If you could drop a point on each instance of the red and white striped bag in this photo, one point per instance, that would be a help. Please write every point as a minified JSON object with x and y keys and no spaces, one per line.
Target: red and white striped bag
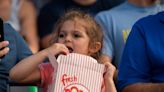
{"x":77,"y":73}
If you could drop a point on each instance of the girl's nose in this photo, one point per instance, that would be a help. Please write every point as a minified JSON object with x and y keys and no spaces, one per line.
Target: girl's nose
{"x":68,"y":39}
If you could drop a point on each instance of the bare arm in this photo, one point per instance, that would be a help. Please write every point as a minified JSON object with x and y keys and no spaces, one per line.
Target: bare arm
{"x":27,"y":70}
{"x":27,"y":16}
{"x":108,"y":77}
{"x":110,"y":86}
{"x":145,"y":87}
{"x":106,"y":58}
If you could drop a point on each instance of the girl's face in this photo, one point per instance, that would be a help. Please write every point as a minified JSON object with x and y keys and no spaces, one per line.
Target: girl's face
{"x":73,"y":35}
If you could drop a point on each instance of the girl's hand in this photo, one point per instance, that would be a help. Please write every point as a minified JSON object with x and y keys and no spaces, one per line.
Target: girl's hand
{"x":57,"y":49}
{"x":110,"y":70}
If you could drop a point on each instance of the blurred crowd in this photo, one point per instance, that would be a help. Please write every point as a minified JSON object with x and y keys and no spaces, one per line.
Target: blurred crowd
{"x":35,"y":21}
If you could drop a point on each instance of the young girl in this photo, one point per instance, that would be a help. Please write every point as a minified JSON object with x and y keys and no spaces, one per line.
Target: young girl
{"x":75,"y":32}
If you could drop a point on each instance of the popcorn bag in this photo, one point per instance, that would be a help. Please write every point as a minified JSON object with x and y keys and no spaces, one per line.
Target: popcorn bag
{"x":77,"y":73}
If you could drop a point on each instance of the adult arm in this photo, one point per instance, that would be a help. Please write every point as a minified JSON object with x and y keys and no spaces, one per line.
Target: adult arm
{"x":145,"y":87}
{"x":27,"y":17}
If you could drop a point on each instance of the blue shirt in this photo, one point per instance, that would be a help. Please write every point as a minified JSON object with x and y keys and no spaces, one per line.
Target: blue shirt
{"x":18,"y":51}
{"x":143,"y":56}
{"x":117,"y":23}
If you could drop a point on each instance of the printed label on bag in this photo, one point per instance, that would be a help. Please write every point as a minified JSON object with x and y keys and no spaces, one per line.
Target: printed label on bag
{"x":73,"y":85}
{"x":76,"y":88}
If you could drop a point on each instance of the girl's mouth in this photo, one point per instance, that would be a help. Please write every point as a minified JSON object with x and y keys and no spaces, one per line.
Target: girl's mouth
{"x":70,"y":49}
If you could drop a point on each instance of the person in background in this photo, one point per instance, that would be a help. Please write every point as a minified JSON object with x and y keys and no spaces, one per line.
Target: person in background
{"x":161,"y":2}
{"x":117,"y":23}
{"x":72,"y":31}
{"x":39,"y":4}
{"x":14,"y":49}
{"x":142,"y":64}
{"x":21,"y":15}
{"x":51,"y":12}
{"x":3,"y":49}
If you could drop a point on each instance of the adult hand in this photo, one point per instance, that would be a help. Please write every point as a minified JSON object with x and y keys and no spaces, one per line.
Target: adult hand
{"x":3,"y":49}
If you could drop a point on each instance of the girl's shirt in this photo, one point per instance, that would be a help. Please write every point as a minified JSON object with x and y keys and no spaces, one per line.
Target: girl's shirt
{"x":46,"y":73}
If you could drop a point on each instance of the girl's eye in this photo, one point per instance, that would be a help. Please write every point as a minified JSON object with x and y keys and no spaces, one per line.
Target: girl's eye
{"x":61,"y":35}
{"x":77,"y":35}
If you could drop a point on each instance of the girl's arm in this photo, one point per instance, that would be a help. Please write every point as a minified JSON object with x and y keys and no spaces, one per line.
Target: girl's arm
{"x":27,"y":70}
{"x":108,"y":77}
